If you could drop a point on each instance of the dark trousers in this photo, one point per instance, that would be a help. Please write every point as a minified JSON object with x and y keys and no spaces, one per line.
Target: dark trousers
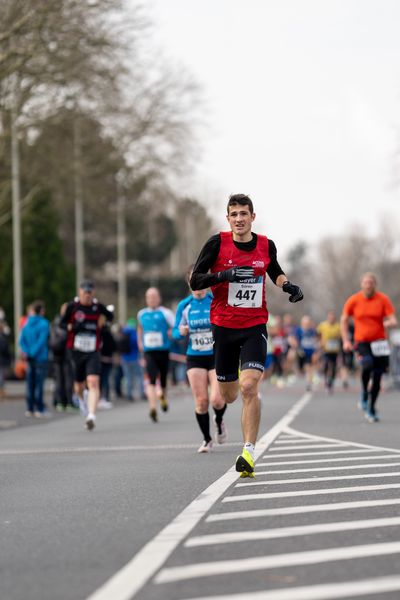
{"x":105,"y":373}
{"x":372,"y":369}
{"x":330,"y":362}
{"x":63,"y":377}
{"x":36,"y":377}
{"x":118,"y":376}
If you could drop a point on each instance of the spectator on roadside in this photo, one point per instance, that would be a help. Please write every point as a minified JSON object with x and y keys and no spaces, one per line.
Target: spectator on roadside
{"x":177,"y":362}
{"x":5,"y":357}
{"x":107,"y":350}
{"x":127,"y":346}
{"x":33,"y":343}
{"x":3,"y":321}
{"x":62,"y":366}
{"x":23,"y":320}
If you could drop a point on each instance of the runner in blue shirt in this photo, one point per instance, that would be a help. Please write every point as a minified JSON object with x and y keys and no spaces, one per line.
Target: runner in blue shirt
{"x":154,"y":329}
{"x":307,"y":351}
{"x":193,"y":320}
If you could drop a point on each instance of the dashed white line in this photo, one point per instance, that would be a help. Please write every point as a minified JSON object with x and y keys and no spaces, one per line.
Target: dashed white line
{"x":335,"y":452}
{"x":84,"y":449}
{"x":283,"y":532}
{"x":308,"y":446}
{"x":291,"y":440}
{"x":320,"y":492}
{"x":7,"y":424}
{"x":308,"y":436}
{"x":324,"y":591}
{"x":318,"y":479}
{"x":325,"y":460}
{"x":323,"y":555}
{"x":341,"y":468}
{"x":297,"y":510}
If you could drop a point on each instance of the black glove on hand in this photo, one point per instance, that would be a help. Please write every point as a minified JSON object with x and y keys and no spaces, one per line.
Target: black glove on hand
{"x":295,"y":292}
{"x":236,"y":274}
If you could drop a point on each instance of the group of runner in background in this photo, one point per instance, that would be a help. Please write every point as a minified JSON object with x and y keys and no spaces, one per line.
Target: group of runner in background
{"x":304,"y":350}
{"x":309,"y":349}
{"x":225,"y":340}
{"x":136,"y":360}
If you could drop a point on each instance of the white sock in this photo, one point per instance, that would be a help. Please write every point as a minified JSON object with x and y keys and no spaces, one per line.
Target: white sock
{"x":91,"y":416}
{"x":83,"y":406}
{"x":250,"y":448}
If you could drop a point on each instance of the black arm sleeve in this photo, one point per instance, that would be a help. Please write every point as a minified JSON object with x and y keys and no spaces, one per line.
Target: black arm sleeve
{"x":200,"y":278}
{"x":274,"y":269}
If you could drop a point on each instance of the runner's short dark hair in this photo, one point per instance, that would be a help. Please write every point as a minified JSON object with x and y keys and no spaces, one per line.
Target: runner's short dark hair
{"x":241,"y":199}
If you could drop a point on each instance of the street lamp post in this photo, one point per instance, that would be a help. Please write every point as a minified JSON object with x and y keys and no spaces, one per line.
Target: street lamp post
{"x":16,"y":220}
{"x":121,"y":254}
{"x":79,"y":231}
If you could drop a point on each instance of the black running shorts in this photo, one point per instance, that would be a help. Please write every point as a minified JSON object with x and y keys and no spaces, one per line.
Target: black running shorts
{"x":200,"y":362}
{"x":236,"y":349}
{"x":84,"y":364}
{"x":157,"y":363}
{"x":369,"y":361}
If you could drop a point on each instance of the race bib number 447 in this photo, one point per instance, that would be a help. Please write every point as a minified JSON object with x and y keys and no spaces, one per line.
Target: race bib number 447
{"x":246,"y":294}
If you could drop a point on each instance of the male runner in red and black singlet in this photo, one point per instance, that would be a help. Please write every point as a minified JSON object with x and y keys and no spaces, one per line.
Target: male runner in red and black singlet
{"x":234,"y":264}
{"x":83,"y":321}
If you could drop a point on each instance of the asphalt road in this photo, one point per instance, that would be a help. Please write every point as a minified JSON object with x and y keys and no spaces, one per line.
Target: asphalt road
{"x":132,"y":511}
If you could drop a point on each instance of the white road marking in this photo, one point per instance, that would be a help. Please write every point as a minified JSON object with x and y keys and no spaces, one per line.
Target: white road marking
{"x":309,"y":436}
{"x":324,"y":591}
{"x":130,"y":579}
{"x":292,"y":440}
{"x":6,"y":424}
{"x":297,"y":510}
{"x":341,"y":468}
{"x":283,"y":532}
{"x":325,"y":460}
{"x":318,"y":479}
{"x":83,"y":449}
{"x":335,"y":452}
{"x":321,"y":492}
{"x":323,"y":555}
{"x":307,"y":447}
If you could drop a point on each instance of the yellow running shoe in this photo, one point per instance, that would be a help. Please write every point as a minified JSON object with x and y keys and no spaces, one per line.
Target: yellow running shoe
{"x":245,"y":464}
{"x":153,"y":415}
{"x":163,"y":403}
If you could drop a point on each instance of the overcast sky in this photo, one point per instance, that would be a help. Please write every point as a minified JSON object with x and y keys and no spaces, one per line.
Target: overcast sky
{"x":303,"y":106}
